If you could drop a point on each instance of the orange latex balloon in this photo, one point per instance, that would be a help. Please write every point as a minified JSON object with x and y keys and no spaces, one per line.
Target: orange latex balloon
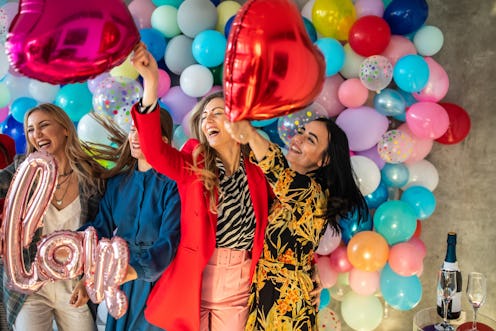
{"x":271,"y":66}
{"x":333,"y":18}
{"x":368,"y":251}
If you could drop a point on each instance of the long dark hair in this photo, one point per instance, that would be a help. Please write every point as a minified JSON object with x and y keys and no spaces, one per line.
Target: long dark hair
{"x":338,"y":179}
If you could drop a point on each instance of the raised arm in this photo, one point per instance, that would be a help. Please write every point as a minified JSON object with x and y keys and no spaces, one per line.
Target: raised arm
{"x":162,"y":156}
{"x":244,"y":133}
{"x":147,"y":67}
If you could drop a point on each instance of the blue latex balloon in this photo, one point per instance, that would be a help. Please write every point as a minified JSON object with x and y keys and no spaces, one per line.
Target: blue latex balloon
{"x":312,"y":33}
{"x":376,"y":198}
{"x":15,"y":130}
{"x":411,"y":73}
{"x":21,"y":106}
{"x":325,"y":298}
{"x":262,"y":123}
{"x":155,"y":42}
{"x":409,"y":99}
{"x":273,"y":133}
{"x":351,"y":225}
{"x":389,"y":102}
{"x":401,"y":293}
{"x":333,"y":53}
{"x":396,"y":221}
{"x":227,"y":27}
{"x":405,"y":16}
{"x":209,"y":48}
{"x":76,"y":99}
{"x":421,"y":199}
{"x":395,"y":174}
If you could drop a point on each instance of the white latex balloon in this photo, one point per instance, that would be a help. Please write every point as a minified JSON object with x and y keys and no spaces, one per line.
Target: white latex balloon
{"x":367,"y":174}
{"x":196,"y":80}
{"x":422,"y":173}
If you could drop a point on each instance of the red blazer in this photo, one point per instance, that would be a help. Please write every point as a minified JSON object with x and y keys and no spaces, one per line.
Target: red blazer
{"x":174,"y":303}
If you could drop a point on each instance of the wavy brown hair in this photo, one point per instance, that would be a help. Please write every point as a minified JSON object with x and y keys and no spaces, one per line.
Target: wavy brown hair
{"x":89,"y":172}
{"x":204,"y":155}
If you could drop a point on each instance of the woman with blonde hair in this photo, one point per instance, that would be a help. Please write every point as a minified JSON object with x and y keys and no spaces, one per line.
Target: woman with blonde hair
{"x":79,"y":188}
{"x":224,"y":206}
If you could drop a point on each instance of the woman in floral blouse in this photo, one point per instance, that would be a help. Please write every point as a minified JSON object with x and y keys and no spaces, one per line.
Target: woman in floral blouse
{"x":314,"y":185}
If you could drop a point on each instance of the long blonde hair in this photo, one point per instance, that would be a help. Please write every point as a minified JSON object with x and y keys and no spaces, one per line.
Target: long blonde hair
{"x":90,"y":173}
{"x":204,"y":155}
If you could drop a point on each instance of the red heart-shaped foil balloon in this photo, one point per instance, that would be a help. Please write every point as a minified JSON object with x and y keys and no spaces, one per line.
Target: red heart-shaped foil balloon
{"x":271,"y":66}
{"x":60,"y":41}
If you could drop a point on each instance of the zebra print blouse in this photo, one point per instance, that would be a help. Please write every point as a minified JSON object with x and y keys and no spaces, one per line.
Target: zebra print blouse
{"x":236,"y":218}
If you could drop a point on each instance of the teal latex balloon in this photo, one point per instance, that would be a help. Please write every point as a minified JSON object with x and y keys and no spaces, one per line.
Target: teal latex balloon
{"x":421,"y":199}
{"x":401,"y":293}
{"x":396,"y":221}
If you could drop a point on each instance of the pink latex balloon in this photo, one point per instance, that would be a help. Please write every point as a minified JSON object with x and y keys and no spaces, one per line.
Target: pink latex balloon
{"x":352,"y":93}
{"x":364,"y":282}
{"x":142,"y":10}
{"x":369,"y":7}
{"x":339,"y":260}
{"x":164,"y":82}
{"x":328,"y":97}
{"x":427,"y":119}
{"x":4,"y":112}
{"x":437,"y":85}
{"x":419,"y":246}
{"x":398,"y":47}
{"x":421,"y":146}
{"x":59,"y":43}
{"x":328,"y":276}
{"x":35,"y":178}
{"x":405,"y":259}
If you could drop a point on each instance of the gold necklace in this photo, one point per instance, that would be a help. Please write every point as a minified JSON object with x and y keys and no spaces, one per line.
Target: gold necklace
{"x":59,"y":201}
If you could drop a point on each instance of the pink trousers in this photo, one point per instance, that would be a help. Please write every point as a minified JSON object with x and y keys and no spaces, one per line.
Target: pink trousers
{"x":225,"y":291}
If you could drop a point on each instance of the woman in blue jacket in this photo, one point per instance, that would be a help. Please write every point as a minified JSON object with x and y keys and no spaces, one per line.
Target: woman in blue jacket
{"x":141,"y":206}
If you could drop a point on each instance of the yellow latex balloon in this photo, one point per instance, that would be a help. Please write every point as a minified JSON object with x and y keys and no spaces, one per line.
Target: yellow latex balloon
{"x":333,"y":18}
{"x":125,"y":69}
{"x":225,"y":10}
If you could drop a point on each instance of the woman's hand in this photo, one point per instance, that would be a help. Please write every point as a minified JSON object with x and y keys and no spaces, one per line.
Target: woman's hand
{"x":315,"y":293}
{"x":79,"y":295}
{"x":240,"y":131}
{"x":147,"y":67}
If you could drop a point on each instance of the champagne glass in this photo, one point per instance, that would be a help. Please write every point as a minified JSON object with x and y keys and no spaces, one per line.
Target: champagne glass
{"x":446,"y":287}
{"x":476,"y":293}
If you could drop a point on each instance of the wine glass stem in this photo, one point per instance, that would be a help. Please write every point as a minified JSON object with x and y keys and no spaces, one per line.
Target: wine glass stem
{"x":474,"y":322}
{"x":445,"y":313}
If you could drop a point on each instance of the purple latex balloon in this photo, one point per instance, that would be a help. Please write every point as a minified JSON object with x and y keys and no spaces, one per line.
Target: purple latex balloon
{"x":59,"y":43}
{"x":363,"y":126}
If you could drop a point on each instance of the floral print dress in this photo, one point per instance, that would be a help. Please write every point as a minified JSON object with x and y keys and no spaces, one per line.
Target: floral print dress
{"x":280,"y":292}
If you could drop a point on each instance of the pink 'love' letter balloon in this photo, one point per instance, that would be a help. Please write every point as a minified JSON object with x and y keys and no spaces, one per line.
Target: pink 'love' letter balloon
{"x":59,"y":41}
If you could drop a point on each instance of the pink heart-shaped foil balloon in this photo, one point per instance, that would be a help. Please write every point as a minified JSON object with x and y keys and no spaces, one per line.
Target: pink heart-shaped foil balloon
{"x":271,"y":66}
{"x":60,"y":41}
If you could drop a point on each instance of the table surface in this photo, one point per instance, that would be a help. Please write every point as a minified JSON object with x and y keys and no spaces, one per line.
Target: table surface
{"x":429,"y":316}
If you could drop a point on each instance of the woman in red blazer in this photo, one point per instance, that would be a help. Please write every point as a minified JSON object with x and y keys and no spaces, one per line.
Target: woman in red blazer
{"x":224,"y":200}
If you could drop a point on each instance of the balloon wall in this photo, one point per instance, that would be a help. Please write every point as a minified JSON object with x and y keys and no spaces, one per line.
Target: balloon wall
{"x":381,"y":83}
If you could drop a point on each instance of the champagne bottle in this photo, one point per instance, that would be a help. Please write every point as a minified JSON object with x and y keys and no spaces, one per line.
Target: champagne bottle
{"x":450,"y":263}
